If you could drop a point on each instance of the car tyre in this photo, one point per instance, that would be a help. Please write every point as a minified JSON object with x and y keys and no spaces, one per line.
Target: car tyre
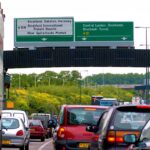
{"x":47,"y":136}
{"x":21,"y":148}
{"x":27,"y":147}
{"x":42,"y":139}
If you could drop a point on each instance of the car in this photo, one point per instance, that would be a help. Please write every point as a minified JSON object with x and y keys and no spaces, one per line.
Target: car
{"x":37,"y":130}
{"x":44,"y":117}
{"x":71,"y":133}
{"x":14,"y":133}
{"x":18,"y":114}
{"x":141,"y":143}
{"x":117,"y":122}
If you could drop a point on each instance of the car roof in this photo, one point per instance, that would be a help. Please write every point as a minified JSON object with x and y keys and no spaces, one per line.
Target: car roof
{"x":139,"y":106}
{"x":109,"y":99}
{"x":12,"y":117}
{"x":13,"y":111}
{"x":85,"y":106}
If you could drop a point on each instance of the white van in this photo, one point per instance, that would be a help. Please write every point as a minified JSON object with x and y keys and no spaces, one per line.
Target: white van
{"x":18,"y":114}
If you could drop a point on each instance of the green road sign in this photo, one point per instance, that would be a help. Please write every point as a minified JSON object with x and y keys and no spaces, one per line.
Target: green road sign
{"x":104,"y":31}
{"x":44,"y":29}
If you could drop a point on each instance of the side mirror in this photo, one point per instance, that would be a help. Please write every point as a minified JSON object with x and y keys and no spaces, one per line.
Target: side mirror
{"x":91,"y":128}
{"x":52,"y":123}
{"x":130,"y":138}
{"x":27,"y":129}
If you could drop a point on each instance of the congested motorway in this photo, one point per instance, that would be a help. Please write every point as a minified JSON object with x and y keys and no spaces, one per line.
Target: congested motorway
{"x":37,"y":145}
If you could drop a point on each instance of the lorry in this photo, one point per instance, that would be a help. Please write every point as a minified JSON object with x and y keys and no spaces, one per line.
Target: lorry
{"x":101,"y":101}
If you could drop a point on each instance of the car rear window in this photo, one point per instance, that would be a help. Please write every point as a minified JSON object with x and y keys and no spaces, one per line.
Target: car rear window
{"x":84,"y":116}
{"x":10,"y":123}
{"x":34,"y":122}
{"x":130,"y":119}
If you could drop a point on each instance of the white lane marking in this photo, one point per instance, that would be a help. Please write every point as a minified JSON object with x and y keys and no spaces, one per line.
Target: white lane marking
{"x":45,"y":144}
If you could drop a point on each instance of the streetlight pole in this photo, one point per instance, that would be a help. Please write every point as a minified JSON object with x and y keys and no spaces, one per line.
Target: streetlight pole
{"x":19,"y":81}
{"x":148,"y":77}
{"x":80,"y":88}
{"x":147,"y":68}
{"x":49,"y":81}
{"x":35,"y":80}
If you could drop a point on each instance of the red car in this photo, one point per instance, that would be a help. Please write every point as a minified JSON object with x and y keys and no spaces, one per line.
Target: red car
{"x":71,"y":133}
{"x":37,"y":130}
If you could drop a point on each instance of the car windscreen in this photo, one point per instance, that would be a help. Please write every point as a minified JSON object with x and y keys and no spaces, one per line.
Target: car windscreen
{"x":130,"y":119}
{"x":84,"y":116}
{"x":19,"y":115}
{"x":10,"y":123}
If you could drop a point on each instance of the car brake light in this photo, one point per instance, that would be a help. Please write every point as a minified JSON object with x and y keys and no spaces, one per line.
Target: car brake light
{"x":19,"y":133}
{"x":96,"y":137}
{"x":143,"y":106}
{"x":119,"y":139}
{"x":90,"y":109}
{"x":61,"y":132}
{"x":111,"y":139}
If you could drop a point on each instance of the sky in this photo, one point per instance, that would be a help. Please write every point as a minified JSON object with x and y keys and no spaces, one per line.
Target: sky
{"x":137,"y":11}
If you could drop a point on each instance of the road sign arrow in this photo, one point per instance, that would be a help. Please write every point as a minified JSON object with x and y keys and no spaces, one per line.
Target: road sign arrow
{"x":123,"y":38}
{"x":44,"y":39}
{"x":84,"y":38}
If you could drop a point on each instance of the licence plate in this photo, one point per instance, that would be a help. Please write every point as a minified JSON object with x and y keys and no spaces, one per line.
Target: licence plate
{"x":6,"y":142}
{"x":83,"y":145}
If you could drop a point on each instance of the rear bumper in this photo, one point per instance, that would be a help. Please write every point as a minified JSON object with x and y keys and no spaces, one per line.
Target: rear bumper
{"x":69,"y":145}
{"x":115,"y":148}
{"x":15,"y":141}
{"x":36,"y":135}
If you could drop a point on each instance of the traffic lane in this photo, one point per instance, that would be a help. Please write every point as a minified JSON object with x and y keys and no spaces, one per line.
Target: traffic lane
{"x":36,"y":144}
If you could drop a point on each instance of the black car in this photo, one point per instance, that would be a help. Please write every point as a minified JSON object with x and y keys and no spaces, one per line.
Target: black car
{"x":116,"y":123}
{"x":142,"y":143}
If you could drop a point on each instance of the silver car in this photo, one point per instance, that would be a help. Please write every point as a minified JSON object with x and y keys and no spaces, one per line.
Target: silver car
{"x":14,"y":133}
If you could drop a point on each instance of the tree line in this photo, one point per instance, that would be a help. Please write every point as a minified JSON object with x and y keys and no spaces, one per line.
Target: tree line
{"x":73,"y":78}
{"x":46,"y":92}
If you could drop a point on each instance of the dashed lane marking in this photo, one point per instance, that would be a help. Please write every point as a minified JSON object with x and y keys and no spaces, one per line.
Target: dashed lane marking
{"x":44,"y":145}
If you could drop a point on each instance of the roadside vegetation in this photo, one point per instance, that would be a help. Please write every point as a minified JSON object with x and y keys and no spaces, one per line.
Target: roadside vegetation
{"x":48,"y":91}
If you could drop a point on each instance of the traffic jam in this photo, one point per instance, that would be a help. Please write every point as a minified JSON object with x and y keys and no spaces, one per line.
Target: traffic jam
{"x":78,"y":127}
{"x":106,"y":124}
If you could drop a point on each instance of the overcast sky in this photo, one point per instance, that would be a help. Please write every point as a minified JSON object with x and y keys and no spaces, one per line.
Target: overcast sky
{"x":137,"y":11}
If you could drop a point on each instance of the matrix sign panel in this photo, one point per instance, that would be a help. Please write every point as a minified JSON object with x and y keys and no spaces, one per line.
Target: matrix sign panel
{"x":104,"y":31}
{"x":44,"y":29}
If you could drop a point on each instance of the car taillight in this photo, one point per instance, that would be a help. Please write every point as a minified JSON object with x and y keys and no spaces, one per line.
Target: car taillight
{"x":61,"y":133}
{"x":20,"y":133}
{"x":143,"y":106}
{"x":96,"y":137}
{"x":112,"y":138}
{"x":119,"y":139}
